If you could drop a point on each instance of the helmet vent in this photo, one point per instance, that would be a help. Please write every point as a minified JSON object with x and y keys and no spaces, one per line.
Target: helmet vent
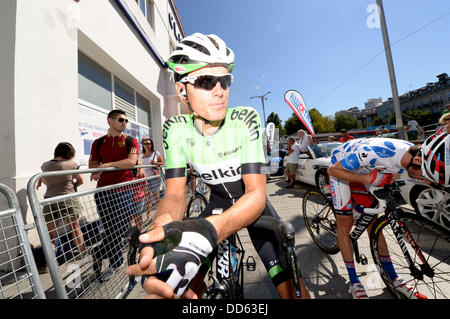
{"x":197,"y":46}
{"x":214,"y":42}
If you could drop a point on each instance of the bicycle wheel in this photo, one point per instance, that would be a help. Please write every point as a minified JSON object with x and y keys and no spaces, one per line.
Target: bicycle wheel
{"x":196,"y":205}
{"x":427,"y":243}
{"x":320,"y":221}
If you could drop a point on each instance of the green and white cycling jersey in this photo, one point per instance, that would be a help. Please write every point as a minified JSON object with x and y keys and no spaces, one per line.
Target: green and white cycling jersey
{"x":221,"y":159}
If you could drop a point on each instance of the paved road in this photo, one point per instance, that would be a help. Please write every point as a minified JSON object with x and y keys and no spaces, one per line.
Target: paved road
{"x":325,"y":275}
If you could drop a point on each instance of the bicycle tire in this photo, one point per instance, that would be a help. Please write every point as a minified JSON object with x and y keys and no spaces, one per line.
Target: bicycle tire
{"x":434,"y":243}
{"x":320,"y":221}
{"x":196,"y":205}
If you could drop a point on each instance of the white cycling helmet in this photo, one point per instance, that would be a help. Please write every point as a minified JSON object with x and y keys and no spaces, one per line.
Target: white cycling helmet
{"x":197,"y":51}
{"x":436,"y":159}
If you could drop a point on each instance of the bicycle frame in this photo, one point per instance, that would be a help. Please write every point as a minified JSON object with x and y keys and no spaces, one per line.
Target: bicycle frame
{"x":227,"y":280}
{"x":388,"y":194}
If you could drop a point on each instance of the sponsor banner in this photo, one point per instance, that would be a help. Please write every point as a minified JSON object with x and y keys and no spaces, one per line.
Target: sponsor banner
{"x":270,"y":132}
{"x":295,"y":100}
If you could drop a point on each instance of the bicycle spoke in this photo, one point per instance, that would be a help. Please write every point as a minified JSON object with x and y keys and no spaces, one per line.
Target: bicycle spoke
{"x":429,"y":252}
{"x":320,"y":221}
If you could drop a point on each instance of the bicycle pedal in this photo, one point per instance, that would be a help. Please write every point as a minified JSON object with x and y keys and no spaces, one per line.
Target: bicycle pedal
{"x":363,"y":259}
{"x":250,"y":263}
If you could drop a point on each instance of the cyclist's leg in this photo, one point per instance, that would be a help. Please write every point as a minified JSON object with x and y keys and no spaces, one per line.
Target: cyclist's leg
{"x":385,"y":258}
{"x":388,"y":266}
{"x":343,"y":206}
{"x":265,"y":244}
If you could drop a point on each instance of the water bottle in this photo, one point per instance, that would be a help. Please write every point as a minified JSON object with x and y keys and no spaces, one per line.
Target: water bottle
{"x":358,"y":210}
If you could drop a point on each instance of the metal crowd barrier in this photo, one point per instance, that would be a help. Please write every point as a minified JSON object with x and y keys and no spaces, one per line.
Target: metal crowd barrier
{"x":81,"y":233}
{"x":19,"y":277}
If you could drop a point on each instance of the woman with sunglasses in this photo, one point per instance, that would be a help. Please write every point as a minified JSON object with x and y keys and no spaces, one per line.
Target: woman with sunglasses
{"x":224,"y":146}
{"x":445,"y":124}
{"x":151,"y":157}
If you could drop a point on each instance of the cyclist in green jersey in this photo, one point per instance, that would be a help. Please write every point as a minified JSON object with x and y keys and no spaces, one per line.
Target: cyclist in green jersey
{"x":224,"y":146}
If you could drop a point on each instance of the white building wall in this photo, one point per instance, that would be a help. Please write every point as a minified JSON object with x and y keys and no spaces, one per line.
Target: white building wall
{"x":40,"y":43}
{"x":45,"y":90}
{"x":7,"y":132}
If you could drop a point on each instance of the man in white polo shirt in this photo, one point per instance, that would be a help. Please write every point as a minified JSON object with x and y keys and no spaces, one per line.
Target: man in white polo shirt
{"x":292,"y":161}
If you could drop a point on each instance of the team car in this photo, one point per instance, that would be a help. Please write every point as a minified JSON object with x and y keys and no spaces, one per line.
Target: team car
{"x":430,"y":202}
{"x":275,"y":162}
{"x":312,"y":165}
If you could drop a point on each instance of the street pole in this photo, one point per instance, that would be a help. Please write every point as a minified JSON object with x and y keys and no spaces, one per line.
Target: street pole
{"x":390,"y":63}
{"x":262,"y":97}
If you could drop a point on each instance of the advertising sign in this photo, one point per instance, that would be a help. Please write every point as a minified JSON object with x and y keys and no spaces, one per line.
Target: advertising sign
{"x":298,"y":105}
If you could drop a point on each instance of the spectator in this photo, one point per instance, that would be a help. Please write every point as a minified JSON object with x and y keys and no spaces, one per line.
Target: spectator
{"x":331,"y":139}
{"x":446,"y":109}
{"x":377,"y":132}
{"x":68,"y":210}
{"x":384,"y":129}
{"x":345,"y":136}
{"x":420,"y":133}
{"x":292,"y":161}
{"x":115,"y":149}
{"x":139,"y":196}
{"x":304,"y":140}
{"x":412,"y":129}
{"x":151,"y":157}
{"x":444,"y":121}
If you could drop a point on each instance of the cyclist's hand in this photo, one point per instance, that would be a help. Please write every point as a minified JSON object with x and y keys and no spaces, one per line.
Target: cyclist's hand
{"x":181,"y":249}
{"x":379,"y":179}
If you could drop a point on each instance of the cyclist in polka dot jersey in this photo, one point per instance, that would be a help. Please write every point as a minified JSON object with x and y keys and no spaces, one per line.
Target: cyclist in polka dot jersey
{"x":368,"y":161}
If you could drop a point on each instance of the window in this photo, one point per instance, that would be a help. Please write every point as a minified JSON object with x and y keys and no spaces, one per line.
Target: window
{"x":143,"y":110}
{"x":96,"y":86}
{"x":122,"y":90}
{"x":142,"y":6}
{"x":124,"y":98}
{"x":148,"y":10}
{"x":94,"y":82}
{"x":150,"y":13}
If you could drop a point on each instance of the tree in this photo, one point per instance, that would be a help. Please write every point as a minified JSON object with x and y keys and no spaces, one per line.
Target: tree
{"x":321,"y":124}
{"x":275,"y":119}
{"x":378,"y":121}
{"x":293,"y":124}
{"x":422,"y":117}
{"x":345,"y":121}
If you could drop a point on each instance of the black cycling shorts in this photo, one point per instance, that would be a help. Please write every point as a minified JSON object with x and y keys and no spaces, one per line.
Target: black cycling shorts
{"x":264,"y":241}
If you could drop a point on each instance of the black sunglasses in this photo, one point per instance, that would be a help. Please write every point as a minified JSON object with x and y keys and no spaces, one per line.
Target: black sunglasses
{"x":411,"y":164}
{"x":147,"y":143}
{"x":208,"y":82}
{"x":121,"y":120}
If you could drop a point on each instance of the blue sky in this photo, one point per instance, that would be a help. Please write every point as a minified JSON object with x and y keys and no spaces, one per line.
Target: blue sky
{"x":323,"y":49}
